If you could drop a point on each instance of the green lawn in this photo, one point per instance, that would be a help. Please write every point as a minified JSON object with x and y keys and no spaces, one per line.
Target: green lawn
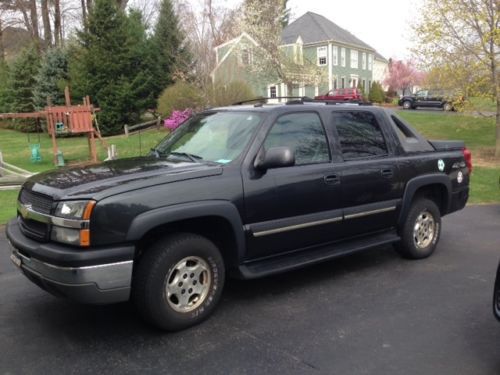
{"x":16,"y":150}
{"x":477,"y":132}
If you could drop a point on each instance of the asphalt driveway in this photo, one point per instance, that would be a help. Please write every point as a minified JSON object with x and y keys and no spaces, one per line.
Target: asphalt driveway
{"x":370,"y":313}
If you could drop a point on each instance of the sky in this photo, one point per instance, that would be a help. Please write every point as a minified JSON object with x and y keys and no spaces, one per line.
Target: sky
{"x":383,"y":24}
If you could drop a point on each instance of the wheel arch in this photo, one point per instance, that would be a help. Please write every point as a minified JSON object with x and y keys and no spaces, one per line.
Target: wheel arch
{"x":435,"y":186}
{"x":219,"y":221}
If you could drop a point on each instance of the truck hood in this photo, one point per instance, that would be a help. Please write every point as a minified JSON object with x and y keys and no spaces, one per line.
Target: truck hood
{"x":100,"y":180}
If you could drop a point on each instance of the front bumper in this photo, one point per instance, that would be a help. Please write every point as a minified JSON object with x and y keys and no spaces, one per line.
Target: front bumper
{"x":93,"y":276}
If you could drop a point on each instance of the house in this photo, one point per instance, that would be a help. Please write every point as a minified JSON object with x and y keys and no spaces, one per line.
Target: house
{"x":380,"y":69}
{"x":343,"y":59}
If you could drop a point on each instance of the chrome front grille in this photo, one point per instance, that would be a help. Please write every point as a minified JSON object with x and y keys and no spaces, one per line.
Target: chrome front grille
{"x":39,"y":202}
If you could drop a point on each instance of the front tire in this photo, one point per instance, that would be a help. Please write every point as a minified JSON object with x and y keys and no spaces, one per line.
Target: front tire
{"x":407,"y":105}
{"x":448,"y":107}
{"x":421,"y":230}
{"x":178,"y":281}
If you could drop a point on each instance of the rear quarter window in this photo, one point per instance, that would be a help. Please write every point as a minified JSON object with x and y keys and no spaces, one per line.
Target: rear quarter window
{"x":359,"y":135}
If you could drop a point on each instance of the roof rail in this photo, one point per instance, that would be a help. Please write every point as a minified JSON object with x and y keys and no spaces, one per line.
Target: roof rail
{"x":335,"y":102}
{"x":264,"y":99}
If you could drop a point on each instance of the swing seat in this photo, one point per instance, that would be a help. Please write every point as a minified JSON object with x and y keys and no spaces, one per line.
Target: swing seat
{"x":36,"y":156}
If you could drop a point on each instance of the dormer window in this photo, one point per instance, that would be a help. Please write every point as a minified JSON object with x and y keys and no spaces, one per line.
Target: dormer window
{"x":322,"y":53}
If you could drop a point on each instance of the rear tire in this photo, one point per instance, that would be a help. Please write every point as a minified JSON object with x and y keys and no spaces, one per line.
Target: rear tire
{"x":421,"y":230}
{"x":178,"y":281}
{"x":407,"y":105}
{"x":447,"y":107}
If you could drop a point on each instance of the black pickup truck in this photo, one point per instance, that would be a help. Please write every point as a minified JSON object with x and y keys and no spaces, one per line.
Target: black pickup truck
{"x":429,"y":99}
{"x":246,"y":190}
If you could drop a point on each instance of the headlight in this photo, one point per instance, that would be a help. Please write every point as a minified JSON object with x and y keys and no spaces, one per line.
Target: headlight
{"x":73,"y":209}
{"x":71,"y":222}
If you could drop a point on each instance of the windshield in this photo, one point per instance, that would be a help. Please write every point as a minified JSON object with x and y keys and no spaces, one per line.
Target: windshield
{"x":217,"y":137}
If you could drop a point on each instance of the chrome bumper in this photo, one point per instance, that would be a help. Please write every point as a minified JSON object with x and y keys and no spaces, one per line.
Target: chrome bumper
{"x":98,"y":284}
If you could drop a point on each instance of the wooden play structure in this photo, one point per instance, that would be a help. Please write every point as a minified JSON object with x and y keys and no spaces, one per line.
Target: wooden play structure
{"x":67,"y":119}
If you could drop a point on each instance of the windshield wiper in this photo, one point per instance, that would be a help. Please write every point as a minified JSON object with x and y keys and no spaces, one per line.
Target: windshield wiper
{"x":194,"y":158}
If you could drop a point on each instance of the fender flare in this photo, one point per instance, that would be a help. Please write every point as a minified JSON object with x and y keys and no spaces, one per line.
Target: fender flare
{"x":149,"y":220}
{"x":416,"y":183}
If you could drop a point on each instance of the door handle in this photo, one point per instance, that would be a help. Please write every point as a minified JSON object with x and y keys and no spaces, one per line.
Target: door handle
{"x":387,"y":173}
{"x":331,"y":179}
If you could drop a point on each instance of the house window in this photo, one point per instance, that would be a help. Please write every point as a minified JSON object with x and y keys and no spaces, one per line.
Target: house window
{"x":334,"y":83}
{"x":246,"y":56}
{"x":342,"y":82}
{"x":370,"y":62}
{"x":363,"y":61}
{"x":322,"y":53}
{"x":369,"y":85}
{"x":335,"y":55}
{"x":342,"y":56}
{"x":298,"y":54}
{"x":354,"y":59}
{"x":272,"y":92}
{"x":364,"y":85}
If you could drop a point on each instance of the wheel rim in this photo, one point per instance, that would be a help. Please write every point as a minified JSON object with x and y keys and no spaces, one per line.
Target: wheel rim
{"x":424,"y":230}
{"x":406,"y":105}
{"x":188,"y":284}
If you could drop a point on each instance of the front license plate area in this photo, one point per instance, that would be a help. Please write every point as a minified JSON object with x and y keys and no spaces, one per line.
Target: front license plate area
{"x":16,"y":260}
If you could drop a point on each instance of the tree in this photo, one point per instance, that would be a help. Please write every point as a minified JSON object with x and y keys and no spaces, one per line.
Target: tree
{"x":51,"y":79}
{"x":4,"y":87}
{"x":464,"y":31}
{"x":22,"y":80}
{"x":104,"y":66}
{"x":272,"y":62}
{"x":47,"y":29}
{"x":173,"y":58}
{"x":402,"y":76}
{"x":205,"y":30}
{"x":376,"y":94}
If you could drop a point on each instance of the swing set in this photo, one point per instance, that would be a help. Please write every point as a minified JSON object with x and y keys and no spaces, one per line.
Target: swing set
{"x":67,"y":119}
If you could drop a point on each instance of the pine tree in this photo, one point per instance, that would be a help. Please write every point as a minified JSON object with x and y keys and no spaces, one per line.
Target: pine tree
{"x":376,"y":94}
{"x":22,"y":80}
{"x":51,"y":78}
{"x":4,"y":87}
{"x":104,"y":66}
{"x":173,"y":58}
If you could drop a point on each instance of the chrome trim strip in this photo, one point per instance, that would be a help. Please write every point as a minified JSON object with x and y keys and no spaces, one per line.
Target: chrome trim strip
{"x":297,"y":226}
{"x":104,"y":276}
{"x":88,"y":267}
{"x":28,"y":213}
{"x":367,"y":213}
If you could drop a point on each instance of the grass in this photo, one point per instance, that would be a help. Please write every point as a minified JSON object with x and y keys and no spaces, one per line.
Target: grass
{"x":482,"y":104}
{"x":16,"y":150}
{"x":477,"y":132}
{"x":7,"y":205}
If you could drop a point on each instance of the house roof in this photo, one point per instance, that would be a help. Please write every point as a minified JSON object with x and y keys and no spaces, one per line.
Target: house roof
{"x":313,"y":28}
{"x":379,"y":57}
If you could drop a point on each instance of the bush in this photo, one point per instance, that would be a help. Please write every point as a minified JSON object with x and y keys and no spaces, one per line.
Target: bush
{"x":376,"y":94}
{"x":233,"y":92}
{"x":180,"y":96}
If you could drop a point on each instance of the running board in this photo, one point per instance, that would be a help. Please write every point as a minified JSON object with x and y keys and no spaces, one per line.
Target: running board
{"x":287,"y":262}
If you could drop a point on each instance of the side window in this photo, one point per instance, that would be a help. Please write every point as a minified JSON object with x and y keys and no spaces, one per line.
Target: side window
{"x":359,"y":134}
{"x":304,"y":133}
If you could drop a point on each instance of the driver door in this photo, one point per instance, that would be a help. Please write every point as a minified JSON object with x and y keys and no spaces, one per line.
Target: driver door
{"x":295,"y":207}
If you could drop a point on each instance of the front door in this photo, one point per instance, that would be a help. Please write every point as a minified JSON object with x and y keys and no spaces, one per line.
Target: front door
{"x":294,"y":207}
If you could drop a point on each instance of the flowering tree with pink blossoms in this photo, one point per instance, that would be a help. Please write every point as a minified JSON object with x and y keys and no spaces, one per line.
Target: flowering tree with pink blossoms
{"x":403,"y":76}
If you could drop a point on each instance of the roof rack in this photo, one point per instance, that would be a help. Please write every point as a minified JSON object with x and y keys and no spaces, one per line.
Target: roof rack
{"x":339,"y":102}
{"x":264,"y":99}
{"x":301,"y":100}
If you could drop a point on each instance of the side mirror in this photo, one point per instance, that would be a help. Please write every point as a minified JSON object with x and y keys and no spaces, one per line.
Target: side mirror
{"x":275,"y":157}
